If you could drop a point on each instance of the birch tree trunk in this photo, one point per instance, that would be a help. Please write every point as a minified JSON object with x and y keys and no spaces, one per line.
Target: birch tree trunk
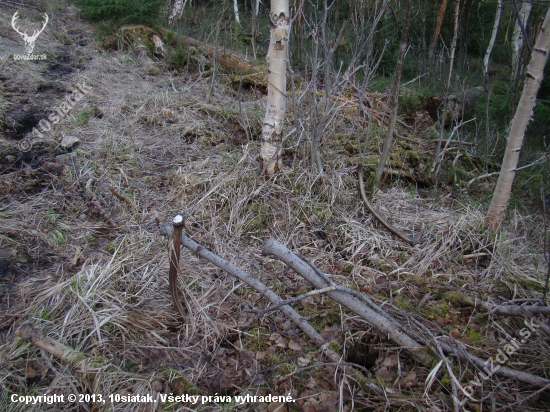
{"x":394,"y":104}
{"x":437,"y":29}
{"x":236,"y":10}
{"x":524,"y":111}
{"x":518,"y":36}
{"x":493,"y":38}
{"x":270,"y":148}
{"x":175,"y":10}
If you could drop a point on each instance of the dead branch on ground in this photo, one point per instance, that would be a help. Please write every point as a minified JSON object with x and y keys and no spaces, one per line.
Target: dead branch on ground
{"x":78,"y":361}
{"x":375,"y":318}
{"x":410,"y":240}
{"x":505,"y":310}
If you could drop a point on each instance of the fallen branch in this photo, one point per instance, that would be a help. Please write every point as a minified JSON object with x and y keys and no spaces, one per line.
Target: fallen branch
{"x":78,"y":361}
{"x":504,"y":310}
{"x":383,"y":323}
{"x":247,"y":71}
{"x":375,"y":318}
{"x":481,"y":364}
{"x":119,"y":196}
{"x":410,"y":240}
{"x":256,"y":284}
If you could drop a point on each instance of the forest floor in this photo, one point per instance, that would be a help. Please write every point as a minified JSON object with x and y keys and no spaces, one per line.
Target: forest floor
{"x":83,"y":261}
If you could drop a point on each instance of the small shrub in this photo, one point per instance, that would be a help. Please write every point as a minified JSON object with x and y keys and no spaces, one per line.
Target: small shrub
{"x":178,"y":58}
{"x":121,"y":11}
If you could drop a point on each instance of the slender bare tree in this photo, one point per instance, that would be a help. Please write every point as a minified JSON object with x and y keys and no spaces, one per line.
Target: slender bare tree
{"x":493,"y":38}
{"x":394,"y":97}
{"x":277,"y":56}
{"x":518,"y":36}
{"x":437,"y":31}
{"x":524,"y":111}
{"x":447,"y":86}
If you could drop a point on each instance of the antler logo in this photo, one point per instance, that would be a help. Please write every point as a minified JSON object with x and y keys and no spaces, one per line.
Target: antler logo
{"x":29,"y":40}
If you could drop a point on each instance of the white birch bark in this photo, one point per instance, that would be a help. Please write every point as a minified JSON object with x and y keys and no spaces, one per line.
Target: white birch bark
{"x":270,"y":148}
{"x":493,"y":38}
{"x":524,"y":111}
{"x":236,"y":10}
{"x":517,"y":36}
{"x":175,"y":11}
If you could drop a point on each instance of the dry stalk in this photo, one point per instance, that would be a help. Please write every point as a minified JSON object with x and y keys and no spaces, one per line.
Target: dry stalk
{"x":119,"y":196}
{"x":178,"y":224}
{"x":410,"y":240}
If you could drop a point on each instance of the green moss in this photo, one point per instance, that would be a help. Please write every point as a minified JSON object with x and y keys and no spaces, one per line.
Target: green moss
{"x":179,"y":383}
{"x":255,"y":341}
{"x":335,"y":346}
{"x":528,"y":284}
{"x":403,"y":302}
{"x":455,"y":298}
{"x":412,"y":157}
{"x":262,"y":218}
{"x":347,"y":267}
{"x":437,"y":309}
{"x":475,"y":337}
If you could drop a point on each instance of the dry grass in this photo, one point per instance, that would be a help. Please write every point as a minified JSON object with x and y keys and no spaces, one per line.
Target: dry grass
{"x":104,"y":291}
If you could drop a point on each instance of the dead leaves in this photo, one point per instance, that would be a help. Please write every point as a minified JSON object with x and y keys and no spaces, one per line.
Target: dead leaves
{"x":281,"y":342}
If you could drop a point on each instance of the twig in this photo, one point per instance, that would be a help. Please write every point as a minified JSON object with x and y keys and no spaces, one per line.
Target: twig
{"x":454,"y":142}
{"x":291,"y":301}
{"x":502,"y":370}
{"x":522,"y":401}
{"x":486,"y":175}
{"x":101,"y":211}
{"x":474,"y":255}
{"x":178,"y":224}
{"x":119,"y":196}
{"x":410,"y":240}
{"x":505,"y":310}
